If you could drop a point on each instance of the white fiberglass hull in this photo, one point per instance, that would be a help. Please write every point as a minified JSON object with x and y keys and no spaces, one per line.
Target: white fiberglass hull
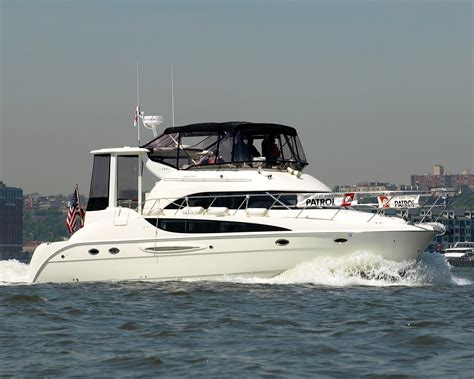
{"x":206,"y":256}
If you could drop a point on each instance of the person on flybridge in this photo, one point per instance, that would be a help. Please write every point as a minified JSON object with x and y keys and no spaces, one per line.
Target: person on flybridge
{"x":270,"y":149}
{"x":251,"y":147}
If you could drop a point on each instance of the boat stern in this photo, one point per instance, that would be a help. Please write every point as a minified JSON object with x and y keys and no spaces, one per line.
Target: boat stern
{"x":43,"y":254}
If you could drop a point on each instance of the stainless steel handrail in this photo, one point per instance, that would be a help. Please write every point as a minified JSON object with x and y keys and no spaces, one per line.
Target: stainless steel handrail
{"x":277,"y":202}
{"x":244,"y":205}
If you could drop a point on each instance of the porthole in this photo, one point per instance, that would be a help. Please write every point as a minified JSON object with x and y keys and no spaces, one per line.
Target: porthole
{"x":282,"y":242}
{"x":114,"y":250}
{"x":93,"y":251}
{"x":340,"y":240}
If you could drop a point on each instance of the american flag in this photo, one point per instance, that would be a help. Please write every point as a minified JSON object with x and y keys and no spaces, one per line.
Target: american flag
{"x":74,"y":212}
{"x":137,"y":115}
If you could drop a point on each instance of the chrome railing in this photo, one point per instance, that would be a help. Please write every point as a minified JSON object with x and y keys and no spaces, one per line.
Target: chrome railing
{"x":274,"y":201}
{"x":268,"y":200}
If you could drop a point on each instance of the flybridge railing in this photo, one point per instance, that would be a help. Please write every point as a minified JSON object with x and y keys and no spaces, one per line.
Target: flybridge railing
{"x":295,"y":201}
{"x":178,"y":204}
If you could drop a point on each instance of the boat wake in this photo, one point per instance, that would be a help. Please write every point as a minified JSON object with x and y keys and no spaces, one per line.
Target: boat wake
{"x":14,"y":272}
{"x":367,"y":269}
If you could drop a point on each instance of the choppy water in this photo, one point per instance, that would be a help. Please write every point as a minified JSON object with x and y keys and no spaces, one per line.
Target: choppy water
{"x":361,"y":316}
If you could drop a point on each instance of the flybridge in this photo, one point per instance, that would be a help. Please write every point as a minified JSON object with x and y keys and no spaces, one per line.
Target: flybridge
{"x":228,"y":144}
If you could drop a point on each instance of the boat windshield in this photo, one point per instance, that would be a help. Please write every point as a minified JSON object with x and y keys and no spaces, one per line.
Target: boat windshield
{"x":233,"y":144}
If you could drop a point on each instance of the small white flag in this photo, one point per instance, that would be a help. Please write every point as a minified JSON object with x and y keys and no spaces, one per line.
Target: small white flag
{"x":137,"y":115}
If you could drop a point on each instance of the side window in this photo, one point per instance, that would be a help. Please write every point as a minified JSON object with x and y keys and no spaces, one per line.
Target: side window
{"x":235,"y":200}
{"x":99,"y":191}
{"x":210,"y":226}
{"x":127,"y":181}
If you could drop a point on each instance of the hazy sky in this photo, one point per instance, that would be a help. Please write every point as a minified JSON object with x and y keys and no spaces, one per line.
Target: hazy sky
{"x":378,"y":90}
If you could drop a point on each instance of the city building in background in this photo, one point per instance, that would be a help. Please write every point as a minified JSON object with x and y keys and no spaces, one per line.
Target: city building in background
{"x":11,"y":221}
{"x":463,"y":182}
{"x":367,"y":187}
{"x":34,"y":202}
{"x":438,"y":170}
{"x":374,"y":187}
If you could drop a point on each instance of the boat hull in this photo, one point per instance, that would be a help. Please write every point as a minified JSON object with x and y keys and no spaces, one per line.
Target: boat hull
{"x":457,"y":262}
{"x":210,"y":256}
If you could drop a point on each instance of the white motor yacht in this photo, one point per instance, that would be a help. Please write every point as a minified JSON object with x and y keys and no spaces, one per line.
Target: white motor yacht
{"x":461,"y":254}
{"x":228,"y":199}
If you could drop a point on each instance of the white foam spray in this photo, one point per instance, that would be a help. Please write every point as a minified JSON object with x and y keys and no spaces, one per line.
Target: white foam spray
{"x":14,"y":272}
{"x":367,"y":269}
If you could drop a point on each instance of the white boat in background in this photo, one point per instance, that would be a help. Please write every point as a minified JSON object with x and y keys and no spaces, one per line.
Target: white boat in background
{"x":227,"y":199}
{"x":461,"y":254}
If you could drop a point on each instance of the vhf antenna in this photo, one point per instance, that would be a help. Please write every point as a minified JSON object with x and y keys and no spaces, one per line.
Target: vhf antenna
{"x":137,"y":111}
{"x":172,"y":93}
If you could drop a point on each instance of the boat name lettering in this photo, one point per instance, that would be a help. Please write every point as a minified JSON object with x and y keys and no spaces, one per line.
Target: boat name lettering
{"x":404,"y":204}
{"x":398,"y":201}
{"x":320,"y":202}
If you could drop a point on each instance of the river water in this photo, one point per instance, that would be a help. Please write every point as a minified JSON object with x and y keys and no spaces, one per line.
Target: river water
{"x":352,"y":317}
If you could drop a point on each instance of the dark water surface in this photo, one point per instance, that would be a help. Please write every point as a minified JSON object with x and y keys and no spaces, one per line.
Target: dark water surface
{"x":352,"y":318}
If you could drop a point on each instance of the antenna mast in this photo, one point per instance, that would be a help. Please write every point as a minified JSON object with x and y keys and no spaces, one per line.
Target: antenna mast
{"x":172,"y":93}
{"x":140,"y":163}
{"x":137,"y":111}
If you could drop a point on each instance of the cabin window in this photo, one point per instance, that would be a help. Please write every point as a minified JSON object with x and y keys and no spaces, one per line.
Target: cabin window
{"x":300,"y":151}
{"x":210,"y":226}
{"x":99,"y":191}
{"x":127,"y":181}
{"x":236,"y":200}
{"x":288,"y":148}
